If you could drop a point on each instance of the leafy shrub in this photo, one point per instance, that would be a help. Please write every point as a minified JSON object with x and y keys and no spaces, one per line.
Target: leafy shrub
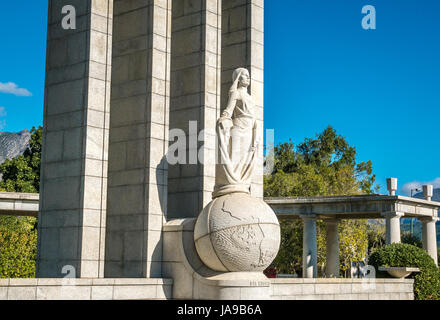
{"x":18,"y":247}
{"x":426,"y":282}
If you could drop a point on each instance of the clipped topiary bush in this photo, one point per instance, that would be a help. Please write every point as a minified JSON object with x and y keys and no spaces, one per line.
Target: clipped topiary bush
{"x":17,"y":254}
{"x":426,"y":282}
{"x":18,"y":247}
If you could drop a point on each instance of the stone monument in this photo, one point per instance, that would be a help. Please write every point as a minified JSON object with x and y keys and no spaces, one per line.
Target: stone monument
{"x":236,"y":235}
{"x":115,"y":86}
{"x":114,"y":215}
{"x":235,"y":231}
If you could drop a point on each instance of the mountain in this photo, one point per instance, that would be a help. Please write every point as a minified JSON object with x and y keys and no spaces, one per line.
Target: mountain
{"x":13,"y":144}
{"x":435,"y":196}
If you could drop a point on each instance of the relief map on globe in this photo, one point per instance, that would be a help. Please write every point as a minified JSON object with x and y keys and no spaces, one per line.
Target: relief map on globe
{"x":240,"y":229}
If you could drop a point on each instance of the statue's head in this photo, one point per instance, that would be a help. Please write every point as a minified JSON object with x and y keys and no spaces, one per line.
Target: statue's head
{"x":244,"y":80}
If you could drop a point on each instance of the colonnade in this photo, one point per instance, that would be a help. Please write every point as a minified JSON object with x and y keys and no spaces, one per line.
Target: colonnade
{"x":392,"y":222}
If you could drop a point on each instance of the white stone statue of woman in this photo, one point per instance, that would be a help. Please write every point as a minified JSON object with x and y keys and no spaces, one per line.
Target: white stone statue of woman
{"x":237,"y":134}
{"x":237,"y":232}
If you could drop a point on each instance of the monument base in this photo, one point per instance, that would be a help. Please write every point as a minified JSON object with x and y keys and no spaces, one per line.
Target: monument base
{"x":85,"y":289}
{"x":193,"y":280}
{"x":186,"y":277}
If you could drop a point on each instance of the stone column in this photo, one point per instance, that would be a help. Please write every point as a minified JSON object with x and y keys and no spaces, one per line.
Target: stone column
{"x":392,"y":221}
{"x":195,"y":97}
{"x":310,"y":250}
{"x":392,"y":186}
{"x":243,"y":46}
{"x":428,"y":191}
{"x":429,"y":236}
{"x":71,"y":221}
{"x":137,"y":188}
{"x":332,"y":255}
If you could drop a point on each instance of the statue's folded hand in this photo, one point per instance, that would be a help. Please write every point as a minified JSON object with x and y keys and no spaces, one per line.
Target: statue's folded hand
{"x":225,"y":123}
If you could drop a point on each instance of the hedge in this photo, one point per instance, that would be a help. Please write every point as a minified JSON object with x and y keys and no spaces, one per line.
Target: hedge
{"x":426,"y":282}
{"x":18,"y":249}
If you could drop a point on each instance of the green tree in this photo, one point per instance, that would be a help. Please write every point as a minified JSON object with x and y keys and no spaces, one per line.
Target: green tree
{"x":353,"y":243}
{"x":322,"y":166}
{"x":18,"y":235}
{"x":376,"y":236}
{"x":289,"y":258}
{"x":325,"y":165}
{"x":22,"y":174}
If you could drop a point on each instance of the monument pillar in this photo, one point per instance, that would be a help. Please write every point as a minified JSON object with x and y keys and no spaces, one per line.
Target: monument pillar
{"x":195,"y":97}
{"x":428,"y":191}
{"x":137,"y":187}
{"x":332,"y":254}
{"x":243,"y":46}
{"x":71,"y":221}
{"x":429,"y":236}
{"x":210,"y":39}
{"x":310,"y":249}
{"x":392,"y":223}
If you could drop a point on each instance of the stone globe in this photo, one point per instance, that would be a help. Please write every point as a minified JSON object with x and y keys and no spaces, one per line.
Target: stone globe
{"x":237,"y":233}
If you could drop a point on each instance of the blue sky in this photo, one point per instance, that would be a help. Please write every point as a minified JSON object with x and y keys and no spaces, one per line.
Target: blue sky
{"x":23,"y":25}
{"x":378,"y":88}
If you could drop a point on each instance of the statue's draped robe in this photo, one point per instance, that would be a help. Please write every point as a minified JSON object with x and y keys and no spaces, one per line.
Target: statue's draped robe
{"x":237,"y":146}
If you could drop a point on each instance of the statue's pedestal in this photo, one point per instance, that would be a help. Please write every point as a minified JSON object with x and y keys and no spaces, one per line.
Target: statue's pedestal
{"x":193,"y":280}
